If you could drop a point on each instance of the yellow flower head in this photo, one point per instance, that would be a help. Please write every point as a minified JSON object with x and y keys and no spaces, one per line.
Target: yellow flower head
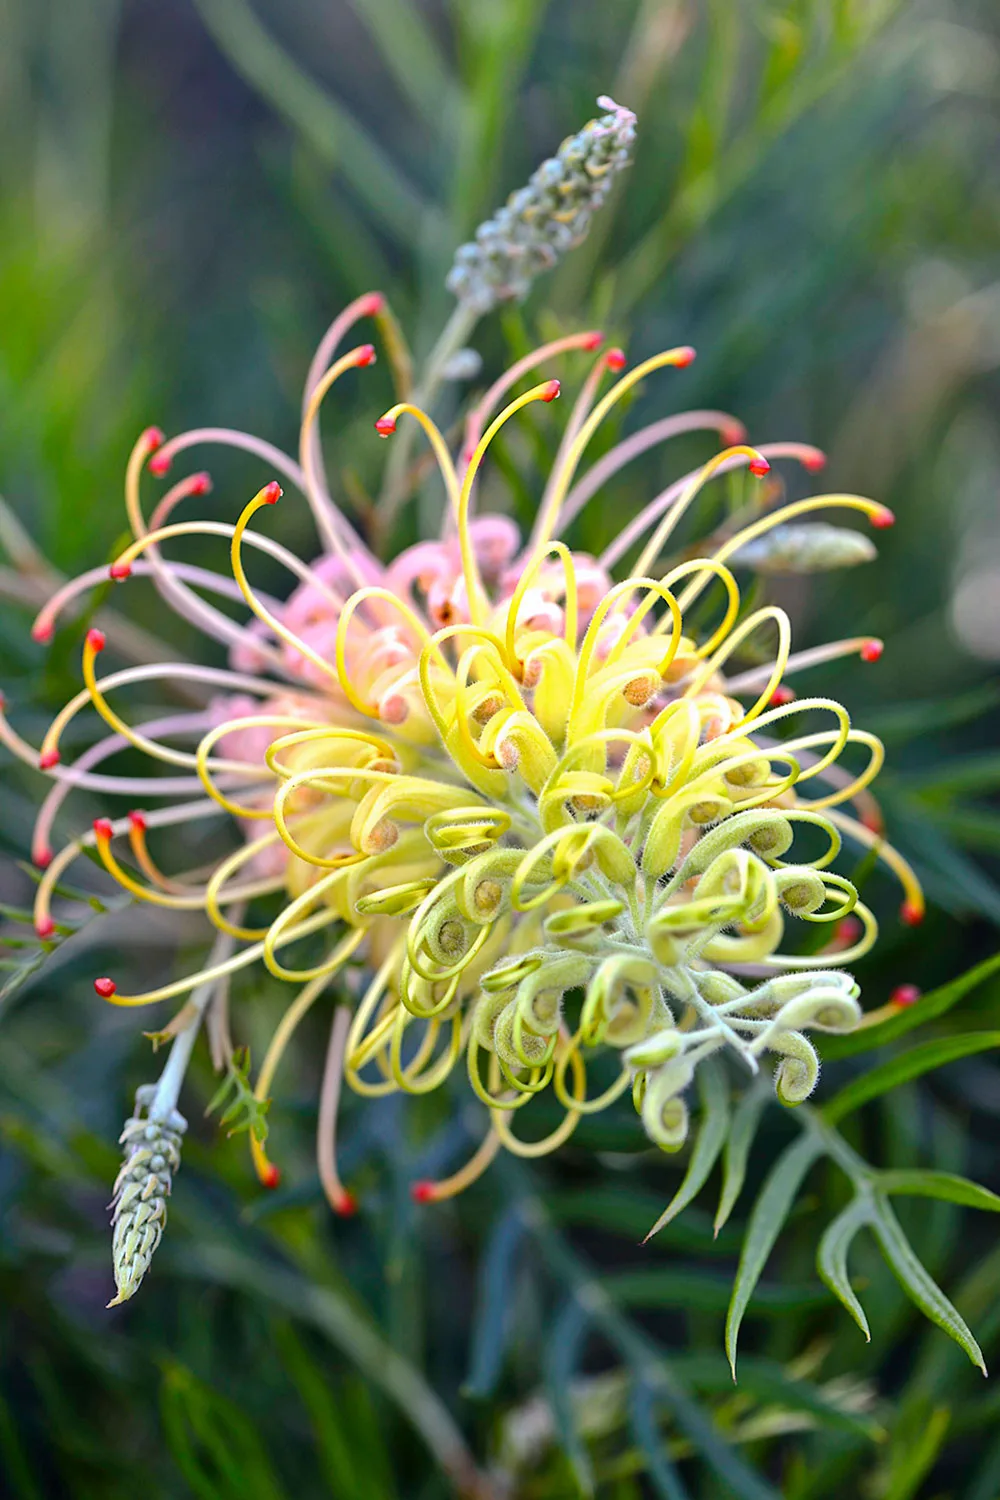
{"x":557,"y":835}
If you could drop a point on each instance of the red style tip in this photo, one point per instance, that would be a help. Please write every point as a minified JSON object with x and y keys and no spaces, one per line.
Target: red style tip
{"x":120,"y":571}
{"x":781,"y":695}
{"x":271,"y":1176}
{"x":365,"y":355}
{"x":153,"y":438}
{"x":905,"y":995}
{"x":45,"y":927}
{"x":759,"y":466}
{"x":43,"y":857}
{"x":593,"y":340}
{"x":201,"y":484}
{"x":883,"y":518}
{"x":910,"y":914}
{"x":48,"y":759}
{"x":346,"y":1206}
{"x":733,"y":434}
{"x":105,"y":988}
{"x":371,"y":304}
{"x":874,"y":822}
{"x":95,"y":640}
{"x":103,"y":828}
{"x":871,"y":650}
{"x":685,"y":357}
{"x":41,"y":632}
{"x":385,"y":426}
{"x":422,"y":1192}
{"x":159,"y":464}
{"x":271,"y":493}
{"x":550,"y":390}
{"x":138,"y":821}
{"x":814,"y":460}
{"x":848,"y":931}
{"x":615,"y":359}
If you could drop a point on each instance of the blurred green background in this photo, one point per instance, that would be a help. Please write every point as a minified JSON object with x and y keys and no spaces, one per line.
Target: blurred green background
{"x":190,"y":190}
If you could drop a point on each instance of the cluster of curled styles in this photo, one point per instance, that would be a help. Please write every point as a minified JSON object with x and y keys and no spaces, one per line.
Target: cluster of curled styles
{"x":526,"y":812}
{"x":549,"y":216}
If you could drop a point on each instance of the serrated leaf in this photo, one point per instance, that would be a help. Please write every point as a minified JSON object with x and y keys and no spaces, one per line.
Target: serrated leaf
{"x":831,"y":1257}
{"x":712,"y":1131}
{"x":944,"y":1185}
{"x":903,"y":1069}
{"x":746,"y":1119}
{"x":769,"y":1213}
{"x":917,"y":1281}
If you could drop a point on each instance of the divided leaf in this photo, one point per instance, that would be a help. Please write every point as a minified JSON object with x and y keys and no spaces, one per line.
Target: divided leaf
{"x":712,"y":1131}
{"x":831,"y":1257}
{"x":903,"y":1069}
{"x":746,"y":1119}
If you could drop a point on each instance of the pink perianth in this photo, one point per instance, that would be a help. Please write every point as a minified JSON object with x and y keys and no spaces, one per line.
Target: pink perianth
{"x":598,"y":474}
{"x":655,"y":509}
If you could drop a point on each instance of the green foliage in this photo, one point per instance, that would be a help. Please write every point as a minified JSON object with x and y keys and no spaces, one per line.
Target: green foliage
{"x":243,"y":1112}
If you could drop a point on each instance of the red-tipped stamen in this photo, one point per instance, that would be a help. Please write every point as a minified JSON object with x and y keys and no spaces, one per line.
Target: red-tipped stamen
{"x":905,"y":995}
{"x":616,"y":359}
{"x":759,"y":466}
{"x":370,"y":304}
{"x":733,"y":434}
{"x":782,"y":694}
{"x":813,"y":460}
{"x":43,"y":857}
{"x":386,"y":426}
{"x":42,"y":631}
{"x":105,"y":988}
{"x":200,"y":483}
{"x":271,"y":493}
{"x":138,"y":821}
{"x":883,"y":518}
{"x":685,"y":357}
{"x":103,"y":828}
{"x":422,"y":1192}
{"x":871,"y":650}
{"x":159,"y":464}
{"x":120,"y":571}
{"x":45,"y":927}
{"x":48,"y":759}
{"x":365,"y":356}
{"x":95,"y":640}
{"x":911,"y":913}
{"x":550,"y":390}
{"x":153,"y":438}
{"x":592,"y":340}
{"x":271,"y":1175}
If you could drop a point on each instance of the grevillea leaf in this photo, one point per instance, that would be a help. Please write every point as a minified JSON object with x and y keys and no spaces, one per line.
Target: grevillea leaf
{"x":661,"y":1473}
{"x":903,"y":1069}
{"x":944,"y":1185}
{"x":769,"y":1214}
{"x":831,"y":1257}
{"x":928,"y":1008}
{"x":917,"y":1282}
{"x":746,"y":1119}
{"x":714,"y":1092}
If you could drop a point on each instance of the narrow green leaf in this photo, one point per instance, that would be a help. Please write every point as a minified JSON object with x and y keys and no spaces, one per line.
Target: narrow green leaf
{"x":746,"y":1119}
{"x":943,"y":1185}
{"x":712,"y":1131}
{"x":324,"y":122}
{"x":769,"y":1213}
{"x":563,"y":1349}
{"x":902,"y":1069}
{"x":916,"y":1281}
{"x":928,"y":1008}
{"x":492,"y":1322}
{"x":831,"y":1257}
{"x":662,"y":1475}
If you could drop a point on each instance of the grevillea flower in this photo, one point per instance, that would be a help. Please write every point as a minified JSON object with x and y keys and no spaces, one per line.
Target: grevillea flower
{"x":535,"y":816}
